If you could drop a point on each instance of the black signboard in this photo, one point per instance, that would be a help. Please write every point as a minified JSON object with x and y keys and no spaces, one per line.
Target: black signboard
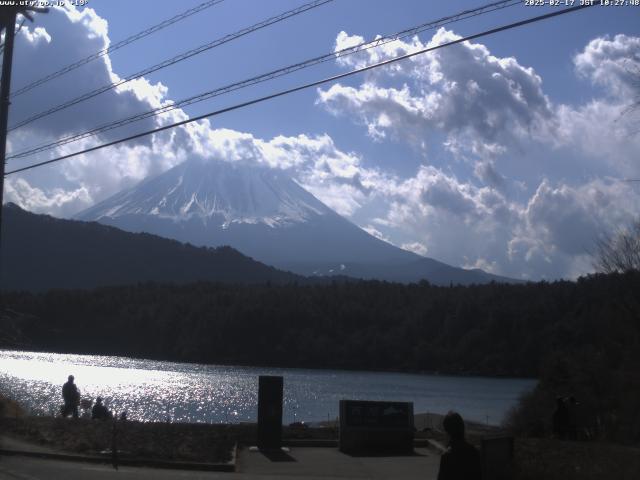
{"x":367,"y":426}
{"x":378,"y":414}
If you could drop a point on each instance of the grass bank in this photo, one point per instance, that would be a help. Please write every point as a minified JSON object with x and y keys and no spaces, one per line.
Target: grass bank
{"x":191,"y":442}
{"x":552,"y":459}
{"x":165,"y":441}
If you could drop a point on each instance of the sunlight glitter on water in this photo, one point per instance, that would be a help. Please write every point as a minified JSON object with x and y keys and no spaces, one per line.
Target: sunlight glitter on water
{"x":156,"y":391}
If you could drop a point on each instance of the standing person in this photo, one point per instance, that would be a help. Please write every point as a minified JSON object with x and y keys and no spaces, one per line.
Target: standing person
{"x":574,"y":424}
{"x":461,"y":461}
{"x":71,"y":397}
{"x":560,"y":419}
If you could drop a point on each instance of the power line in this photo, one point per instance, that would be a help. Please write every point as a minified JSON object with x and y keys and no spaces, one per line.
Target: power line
{"x":176,"y":59}
{"x":117,"y":46}
{"x":308,"y":85}
{"x":268,"y":76}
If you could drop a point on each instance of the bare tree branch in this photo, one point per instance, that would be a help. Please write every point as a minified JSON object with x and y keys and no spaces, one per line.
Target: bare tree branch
{"x":619,"y":252}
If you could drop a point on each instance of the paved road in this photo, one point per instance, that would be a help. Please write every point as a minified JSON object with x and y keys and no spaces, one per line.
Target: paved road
{"x":300,"y":463}
{"x":323,"y":463}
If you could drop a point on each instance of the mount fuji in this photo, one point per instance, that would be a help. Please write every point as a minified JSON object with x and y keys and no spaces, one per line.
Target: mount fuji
{"x":266,"y":215}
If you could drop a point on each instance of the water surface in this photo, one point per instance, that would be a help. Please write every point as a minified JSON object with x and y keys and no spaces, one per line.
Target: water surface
{"x":156,"y":391}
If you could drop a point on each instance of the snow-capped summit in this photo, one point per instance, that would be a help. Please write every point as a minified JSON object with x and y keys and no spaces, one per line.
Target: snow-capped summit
{"x":215,"y":191}
{"x":264,"y":214}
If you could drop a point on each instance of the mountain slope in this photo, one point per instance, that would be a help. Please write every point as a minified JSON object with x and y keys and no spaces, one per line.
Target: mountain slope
{"x":41,"y":252}
{"x":266,"y":215}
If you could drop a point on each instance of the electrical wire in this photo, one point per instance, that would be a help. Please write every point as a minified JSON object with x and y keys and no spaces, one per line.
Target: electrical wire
{"x":379,"y":41}
{"x":116,"y":46}
{"x":308,"y":85}
{"x":174,"y":60}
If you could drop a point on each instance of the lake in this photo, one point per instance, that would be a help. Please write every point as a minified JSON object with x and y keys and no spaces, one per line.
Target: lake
{"x":156,"y":391}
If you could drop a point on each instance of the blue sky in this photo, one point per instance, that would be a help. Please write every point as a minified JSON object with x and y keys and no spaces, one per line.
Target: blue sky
{"x":505,"y":154}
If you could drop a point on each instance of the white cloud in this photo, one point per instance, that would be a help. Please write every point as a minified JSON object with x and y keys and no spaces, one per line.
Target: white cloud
{"x":338,"y":178}
{"x":416,"y":247}
{"x":35,"y":35}
{"x":55,"y":202}
{"x":461,"y":90}
{"x":570,"y":219}
{"x":551,"y":234}
{"x":602,"y":130}
{"x":490,"y":110}
{"x":72,"y":34}
{"x":371,"y":230}
{"x":69,"y":34}
{"x":613,"y":63}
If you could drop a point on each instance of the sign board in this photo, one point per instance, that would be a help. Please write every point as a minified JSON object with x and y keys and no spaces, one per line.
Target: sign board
{"x":270,"y":394}
{"x":367,"y":426}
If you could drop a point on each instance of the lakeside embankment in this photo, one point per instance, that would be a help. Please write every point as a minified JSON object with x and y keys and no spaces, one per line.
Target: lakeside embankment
{"x":197,"y":442}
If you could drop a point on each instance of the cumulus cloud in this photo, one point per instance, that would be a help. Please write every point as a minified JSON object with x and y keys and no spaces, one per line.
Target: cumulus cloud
{"x":603,"y":130}
{"x":549,"y":235}
{"x":571,"y":218}
{"x":460,"y":90}
{"x":490,"y":110}
{"x":55,"y":202}
{"x":613,"y":63}
{"x":71,"y":34}
{"x":373,"y":231}
{"x":416,"y":247}
{"x":340,"y":179}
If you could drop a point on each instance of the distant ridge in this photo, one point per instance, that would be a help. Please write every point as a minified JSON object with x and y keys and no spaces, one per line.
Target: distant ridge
{"x":40,"y":252}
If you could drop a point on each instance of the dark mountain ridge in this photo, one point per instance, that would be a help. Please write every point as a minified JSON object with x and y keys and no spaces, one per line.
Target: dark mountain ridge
{"x":40,"y":252}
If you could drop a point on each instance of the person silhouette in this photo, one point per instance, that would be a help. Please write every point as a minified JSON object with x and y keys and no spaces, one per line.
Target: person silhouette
{"x":560,"y":419}
{"x":574,"y":426}
{"x":71,"y":397}
{"x":99,"y":411}
{"x":461,"y":461}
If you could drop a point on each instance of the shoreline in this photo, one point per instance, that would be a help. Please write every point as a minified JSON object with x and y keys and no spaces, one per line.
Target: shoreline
{"x":423,"y":421}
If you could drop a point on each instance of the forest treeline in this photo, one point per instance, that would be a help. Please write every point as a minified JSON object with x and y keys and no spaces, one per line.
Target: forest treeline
{"x":493,"y":329}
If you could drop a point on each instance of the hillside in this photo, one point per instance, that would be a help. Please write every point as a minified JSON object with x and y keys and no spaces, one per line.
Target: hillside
{"x":40,"y":252}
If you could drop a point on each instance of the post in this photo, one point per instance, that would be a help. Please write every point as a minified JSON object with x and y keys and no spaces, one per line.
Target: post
{"x":270,"y":396}
{"x":114,"y":442}
{"x":9,"y":19}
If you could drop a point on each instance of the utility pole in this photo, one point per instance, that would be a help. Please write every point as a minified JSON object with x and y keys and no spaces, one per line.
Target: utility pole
{"x":8,"y":16}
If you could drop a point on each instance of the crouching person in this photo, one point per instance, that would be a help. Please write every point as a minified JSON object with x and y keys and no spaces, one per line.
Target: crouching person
{"x":99,"y":411}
